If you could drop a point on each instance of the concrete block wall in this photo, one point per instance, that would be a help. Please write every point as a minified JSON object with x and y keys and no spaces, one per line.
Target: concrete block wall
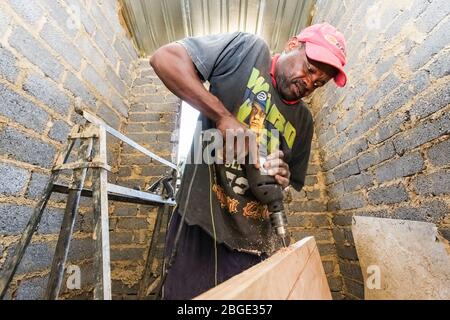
{"x":308,"y":215}
{"x":54,"y":55}
{"x":384,"y":139}
{"x":152,"y":122}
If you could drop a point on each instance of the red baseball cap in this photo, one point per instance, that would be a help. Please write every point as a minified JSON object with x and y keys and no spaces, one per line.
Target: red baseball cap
{"x":324,"y":43}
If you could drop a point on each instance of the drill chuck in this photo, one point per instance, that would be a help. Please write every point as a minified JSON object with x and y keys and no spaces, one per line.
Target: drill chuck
{"x":270,"y":193}
{"x":279,"y":223}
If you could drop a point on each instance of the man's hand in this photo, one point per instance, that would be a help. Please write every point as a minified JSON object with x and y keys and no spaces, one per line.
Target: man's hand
{"x":233,"y":146}
{"x":276,"y":167}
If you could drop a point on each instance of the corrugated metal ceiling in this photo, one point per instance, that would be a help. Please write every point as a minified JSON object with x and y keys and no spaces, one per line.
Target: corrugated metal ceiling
{"x":154,"y":23}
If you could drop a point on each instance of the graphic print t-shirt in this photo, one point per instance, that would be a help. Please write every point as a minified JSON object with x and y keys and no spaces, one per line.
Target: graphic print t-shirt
{"x":217,"y":197}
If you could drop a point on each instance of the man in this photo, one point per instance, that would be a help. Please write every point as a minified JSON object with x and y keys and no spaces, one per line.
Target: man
{"x":219,"y":229}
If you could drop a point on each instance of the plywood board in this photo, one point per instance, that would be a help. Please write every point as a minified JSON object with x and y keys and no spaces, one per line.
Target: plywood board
{"x":412,"y":259}
{"x":294,"y":273}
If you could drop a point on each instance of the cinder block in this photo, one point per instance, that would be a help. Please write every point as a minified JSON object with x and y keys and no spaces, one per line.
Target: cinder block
{"x":326,"y":249}
{"x":8,"y":66}
{"x":434,"y":183}
{"x":161,"y":107}
{"x":14,"y":179}
{"x":388,"y":195}
{"x":151,"y":171}
{"x":86,"y":21}
{"x":346,"y":252}
{"x":346,"y":170}
{"x":96,"y":81}
{"x":348,"y":118}
{"x":329,"y":267}
{"x":440,"y":67}
{"x":396,"y":100}
{"x":382,"y":90}
{"x":132,"y":223}
{"x":430,"y":211}
{"x":74,"y":85}
{"x":109,"y":116}
{"x":355,"y":95}
{"x":81,"y":249}
{"x":134,"y":254}
{"x":89,"y":51}
{"x":439,"y":154}
{"x":336,"y":190}
{"x":106,"y":48}
{"x":60,"y":15}
{"x":311,"y":180}
{"x":5,"y":20}
{"x":422,"y":133}
{"x":359,"y":128}
{"x":17,"y":108}
{"x":434,"y":13}
{"x":335,"y":283}
{"x":13,"y":218}
{"x":32,"y":289}
{"x":59,"y":131}
{"x":29,"y":11}
{"x":431,"y":46}
{"x":38,"y":256}
{"x":119,"y":105}
{"x":402,"y":167}
{"x":27,"y":45}
{"x":37,"y":185}
{"x":23,"y":147}
{"x":352,"y":201}
{"x":51,"y":221}
{"x":355,"y":183}
{"x":144,"y":117}
{"x":122,"y":52}
{"x":355,"y":288}
{"x":388,"y":128}
{"x":330,"y":163}
{"x":384,"y":66}
{"x":343,"y":219}
{"x":47,"y":92}
{"x":314,"y":194}
{"x":354,"y":149}
{"x":308,"y":206}
{"x":351,"y":270}
{"x":124,"y":74}
{"x":121,"y":238}
{"x":434,"y":101}
{"x":100,"y":20}
{"x":116,"y":82}
{"x":61,"y":45}
{"x":300,"y":220}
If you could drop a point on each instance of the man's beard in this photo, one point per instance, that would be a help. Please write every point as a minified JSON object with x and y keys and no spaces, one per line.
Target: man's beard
{"x":284,"y":89}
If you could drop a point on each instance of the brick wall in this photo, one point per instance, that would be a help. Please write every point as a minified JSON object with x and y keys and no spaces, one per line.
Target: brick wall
{"x":381,"y":145}
{"x":384,"y":139}
{"x":152,"y":121}
{"x":308,"y":215}
{"x":54,"y":55}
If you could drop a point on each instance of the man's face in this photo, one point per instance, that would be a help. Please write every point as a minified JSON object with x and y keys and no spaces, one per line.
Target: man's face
{"x":297,"y":76}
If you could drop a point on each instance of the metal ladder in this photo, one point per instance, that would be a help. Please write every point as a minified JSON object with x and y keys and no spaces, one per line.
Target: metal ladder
{"x":92,"y":154}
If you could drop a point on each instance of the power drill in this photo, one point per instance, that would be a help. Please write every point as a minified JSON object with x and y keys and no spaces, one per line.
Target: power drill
{"x":267,"y":191}
{"x":263,"y":186}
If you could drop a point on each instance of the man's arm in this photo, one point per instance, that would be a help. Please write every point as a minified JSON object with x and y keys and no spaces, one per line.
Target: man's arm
{"x":175,"y":68}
